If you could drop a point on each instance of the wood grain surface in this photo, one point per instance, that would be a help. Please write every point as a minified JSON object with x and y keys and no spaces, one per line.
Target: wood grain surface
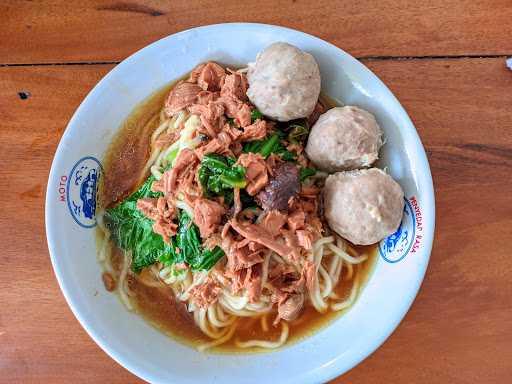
{"x":78,"y":31}
{"x":459,"y":329}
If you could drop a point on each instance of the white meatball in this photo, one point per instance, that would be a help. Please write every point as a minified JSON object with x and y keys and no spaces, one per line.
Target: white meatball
{"x":284,"y":83}
{"x":363,"y":206}
{"x":344,"y":138}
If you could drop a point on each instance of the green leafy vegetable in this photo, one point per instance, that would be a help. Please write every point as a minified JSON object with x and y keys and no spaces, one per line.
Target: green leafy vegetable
{"x":253,"y":146}
{"x":191,"y":252}
{"x":270,"y":144}
{"x":172,"y":257}
{"x":255,"y":115}
{"x":298,"y":132}
{"x":145,"y":190}
{"x":208,"y":259}
{"x":265,"y":147}
{"x":218,"y":175}
{"x":287,"y":156}
{"x":188,"y":239}
{"x":133,"y":232}
{"x":306,"y":172}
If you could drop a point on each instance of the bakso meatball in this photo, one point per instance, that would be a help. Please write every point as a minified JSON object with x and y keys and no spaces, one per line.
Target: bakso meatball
{"x":344,"y":138}
{"x":284,"y":83}
{"x":363,"y":206}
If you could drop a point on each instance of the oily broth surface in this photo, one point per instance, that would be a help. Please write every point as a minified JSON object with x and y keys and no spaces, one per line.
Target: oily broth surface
{"x":129,"y":150}
{"x":123,"y":163}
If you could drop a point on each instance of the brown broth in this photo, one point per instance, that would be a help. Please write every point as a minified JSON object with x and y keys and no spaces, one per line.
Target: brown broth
{"x":129,"y":150}
{"x":123,"y":164}
{"x":309,"y":322}
{"x":159,"y":307}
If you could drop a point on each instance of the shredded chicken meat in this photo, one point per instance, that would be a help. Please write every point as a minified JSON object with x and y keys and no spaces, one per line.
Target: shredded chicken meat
{"x":207,"y":216}
{"x":274,"y":217}
{"x":205,"y":294}
{"x":256,"y":174}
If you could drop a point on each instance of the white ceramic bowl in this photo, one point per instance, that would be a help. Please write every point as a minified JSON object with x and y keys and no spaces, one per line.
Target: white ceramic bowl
{"x":130,"y":340}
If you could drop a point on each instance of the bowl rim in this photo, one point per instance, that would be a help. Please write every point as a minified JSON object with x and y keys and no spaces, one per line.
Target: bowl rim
{"x":322,"y":373}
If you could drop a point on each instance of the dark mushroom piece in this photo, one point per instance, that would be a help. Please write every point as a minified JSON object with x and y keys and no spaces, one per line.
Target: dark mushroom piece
{"x":284,"y":185}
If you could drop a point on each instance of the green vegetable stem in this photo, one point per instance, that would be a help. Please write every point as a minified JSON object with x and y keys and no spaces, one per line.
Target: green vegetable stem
{"x":306,"y":172}
{"x":255,"y":115}
{"x":270,"y":144}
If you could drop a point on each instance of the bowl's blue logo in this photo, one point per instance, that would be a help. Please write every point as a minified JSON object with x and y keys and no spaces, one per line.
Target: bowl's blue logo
{"x":397,"y":245}
{"x":82,"y":187}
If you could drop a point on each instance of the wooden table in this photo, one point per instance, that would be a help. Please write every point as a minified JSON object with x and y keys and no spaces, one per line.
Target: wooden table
{"x":444,"y":60}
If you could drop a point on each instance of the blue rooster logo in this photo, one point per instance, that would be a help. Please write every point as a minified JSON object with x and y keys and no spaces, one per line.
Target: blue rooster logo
{"x":396,"y":246}
{"x":82,"y":190}
{"x":88,"y":194}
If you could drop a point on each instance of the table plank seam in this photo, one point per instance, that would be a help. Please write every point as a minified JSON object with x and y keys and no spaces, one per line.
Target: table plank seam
{"x":434,"y":57}
{"x":2,"y":65}
{"x":362,"y":58}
